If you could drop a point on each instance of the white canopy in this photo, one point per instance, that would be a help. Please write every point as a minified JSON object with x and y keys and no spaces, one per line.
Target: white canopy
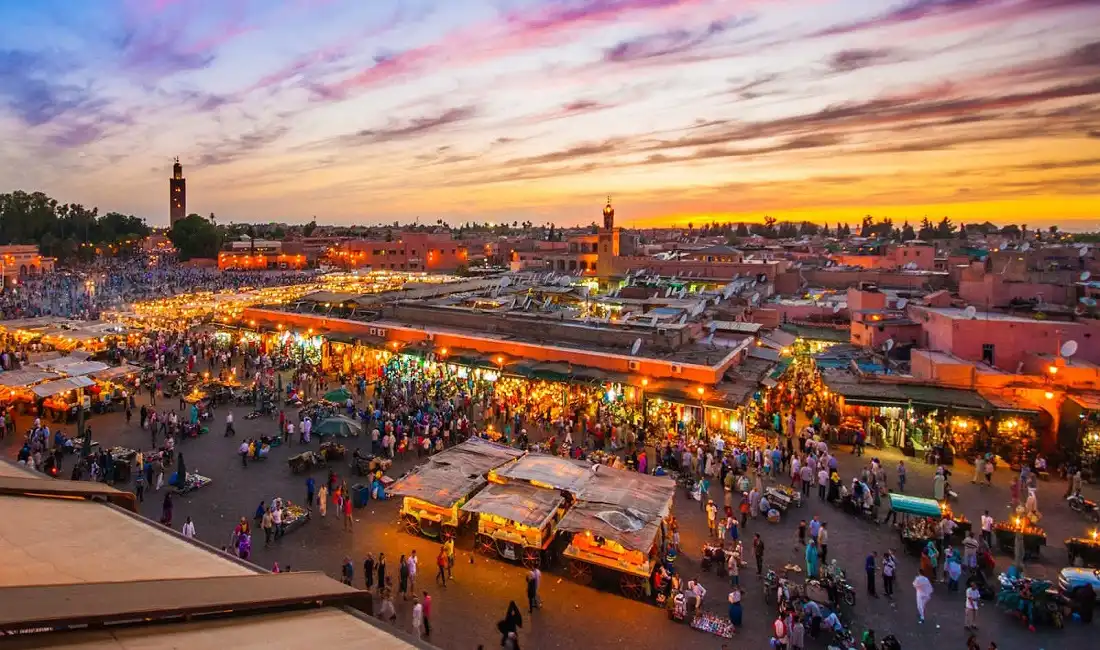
{"x":62,"y":386}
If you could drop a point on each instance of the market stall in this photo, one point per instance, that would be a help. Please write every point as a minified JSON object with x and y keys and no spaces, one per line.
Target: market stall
{"x":293,"y":515}
{"x":62,"y":397}
{"x":516,"y":521}
{"x":1005,"y":532}
{"x":434,"y":493}
{"x":616,"y":531}
{"x":782,"y":497}
{"x":917,"y":520}
{"x":1087,"y":548}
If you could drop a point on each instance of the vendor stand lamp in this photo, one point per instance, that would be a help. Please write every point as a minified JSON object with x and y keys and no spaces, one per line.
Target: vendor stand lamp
{"x":703,"y":402}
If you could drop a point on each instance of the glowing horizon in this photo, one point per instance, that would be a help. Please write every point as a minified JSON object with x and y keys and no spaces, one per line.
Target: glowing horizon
{"x":535,"y":110}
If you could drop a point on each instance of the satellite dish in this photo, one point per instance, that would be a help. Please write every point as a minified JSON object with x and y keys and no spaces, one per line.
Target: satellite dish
{"x":668,"y":292}
{"x":836,"y":309}
{"x":1085,"y":276}
{"x":684,"y":319}
{"x":683,"y":293}
{"x":546,"y":303}
{"x":970,"y":312}
{"x":755,"y":298}
{"x":902,"y":303}
{"x":1026,"y":246}
{"x":637,"y":346}
{"x":505,"y":282}
{"x":585,"y":289}
{"x":713,"y":327}
{"x":710,"y":339}
{"x":888,"y":345}
{"x":1069,"y":348}
{"x":1083,"y":252}
{"x":762,"y":278}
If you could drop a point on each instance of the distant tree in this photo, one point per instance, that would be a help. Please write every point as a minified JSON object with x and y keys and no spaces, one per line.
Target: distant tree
{"x":824,"y":230}
{"x":194,"y":237}
{"x":742,"y":230}
{"x":1053,"y":230}
{"x":927,"y":230}
{"x":807,"y":229}
{"x":962,"y":232}
{"x":307,"y":230}
{"x":1011,"y":230}
{"x":907,"y":233}
{"x":866,"y":225}
{"x":945,"y":229}
{"x":787,"y":230}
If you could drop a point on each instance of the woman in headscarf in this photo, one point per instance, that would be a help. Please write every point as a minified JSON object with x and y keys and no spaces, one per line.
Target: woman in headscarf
{"x":403,"y":578}
{"x":811,"y":559}
{"x":166,"y":510}
{"x":513,"y":620}
{"x":938,"y":484}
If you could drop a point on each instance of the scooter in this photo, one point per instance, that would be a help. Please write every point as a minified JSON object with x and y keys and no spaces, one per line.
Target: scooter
{"x":1079,"y":503}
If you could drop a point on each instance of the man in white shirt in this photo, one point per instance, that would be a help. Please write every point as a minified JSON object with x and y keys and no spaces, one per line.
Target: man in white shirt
{"x":243,"y":451}
{"x":412,"y":562}
{"x":307,"y":428}
{"x":889,"y":566}
{"x":972,"y":597}
{"x":987,"y":529}
{"x":229,"y":431}
{"x":188,"y":529}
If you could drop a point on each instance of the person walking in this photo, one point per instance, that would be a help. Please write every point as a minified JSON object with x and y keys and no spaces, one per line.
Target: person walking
{"x":889,"y":567}
{"x":441,"y":563}
{"x":267,"y":522}
{"x":427,"y":603}
{"x":188,"y":530}
{"x":922,"y":586}
{"x":417,"y":616}
{"x":758,"y":552}
{"x":403,"y":577}
{"x":532,"y":591}
{"x":348,"y":512}
{"x":368,"y":571}
{"x":414,"y":566}
{"x":381,"y":568}
{"x":311,"y":487}
{"x":987,"y":529}
{"x":322,"y":500}
{"x":347,"y":572}
{"x":449,"y":548}
{"x":972,"y":598}
{"x":901,"y":477}
{"x":823,"y":542}
{"x":870,"y":568}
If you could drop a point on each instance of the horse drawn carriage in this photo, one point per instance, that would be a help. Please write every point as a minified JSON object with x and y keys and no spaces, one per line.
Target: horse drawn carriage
{"x":307,"y":461}
{"x":368,"y":464}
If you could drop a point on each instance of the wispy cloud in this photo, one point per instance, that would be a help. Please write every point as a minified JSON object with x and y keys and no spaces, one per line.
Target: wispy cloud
{"x":231,"y":150}
{"x":859,"y":58}
{"x":414,"y":128}
{"x":669,"y":43}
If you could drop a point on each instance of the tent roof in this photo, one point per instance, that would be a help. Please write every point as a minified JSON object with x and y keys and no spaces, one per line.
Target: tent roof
{"x":25,"y":377}
{"x":555,"y":471}
{"x":454,"y":473}
{"x":519,"y":502}
{"x":61,"y":386}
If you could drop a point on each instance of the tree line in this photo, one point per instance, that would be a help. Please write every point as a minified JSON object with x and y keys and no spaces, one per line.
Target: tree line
{"x":67,"y":231}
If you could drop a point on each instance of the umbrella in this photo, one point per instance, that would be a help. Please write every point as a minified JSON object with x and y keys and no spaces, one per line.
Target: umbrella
{"x":180,"y":478}
{"x":338,"y":426}
{"x":339,"y":395}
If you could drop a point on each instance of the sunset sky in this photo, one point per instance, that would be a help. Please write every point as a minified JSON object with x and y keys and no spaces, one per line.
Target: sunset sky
{"x":367,"y":111}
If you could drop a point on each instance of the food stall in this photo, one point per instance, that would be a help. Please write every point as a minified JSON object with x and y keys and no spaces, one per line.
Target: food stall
{"x":294,"y":516}
{"x":434,"y":493}
{"x":1004,"y":532}
{"x":616,"y":532}
{"x":1087,"y":548}
{"x":783,"y":497}
{"x":60,"y":396}
{"x":516,"y":521}
{"x":917,"y":520}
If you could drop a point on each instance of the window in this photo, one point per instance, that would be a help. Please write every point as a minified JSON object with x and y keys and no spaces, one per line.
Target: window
{"x":987,"y":353}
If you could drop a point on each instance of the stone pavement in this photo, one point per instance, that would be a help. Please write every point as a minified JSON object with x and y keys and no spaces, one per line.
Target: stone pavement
{"x":574,"y":616}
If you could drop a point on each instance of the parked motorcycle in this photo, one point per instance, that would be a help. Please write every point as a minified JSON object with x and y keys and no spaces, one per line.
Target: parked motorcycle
{"x":1079,"y":503}
{"x":1031,"y":600}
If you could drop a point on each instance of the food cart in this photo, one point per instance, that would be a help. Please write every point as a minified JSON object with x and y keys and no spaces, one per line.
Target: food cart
{"x":1086,"y":548}
{"x":782,"y":497}
{"x":917,"y":520}
{"x":516,"y":521}
{"x":616,"y":531}
{"x":434,"y":493}
{"x":1004,"y":532}
{"x":294,"y":516}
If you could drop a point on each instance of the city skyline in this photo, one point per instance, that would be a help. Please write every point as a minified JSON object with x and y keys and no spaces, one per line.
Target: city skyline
{"x":685,"y":110}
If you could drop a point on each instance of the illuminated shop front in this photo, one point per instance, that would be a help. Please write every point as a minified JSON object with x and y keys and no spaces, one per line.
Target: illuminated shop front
{"x":1080,"y":431}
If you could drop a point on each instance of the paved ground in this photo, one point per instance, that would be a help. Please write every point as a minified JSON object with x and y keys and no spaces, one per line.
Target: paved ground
{"x":573,"y":616}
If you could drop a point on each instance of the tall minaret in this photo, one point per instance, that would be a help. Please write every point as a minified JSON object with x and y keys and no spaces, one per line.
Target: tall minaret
{"x":177,"y":194}
{"x":607,"y":243}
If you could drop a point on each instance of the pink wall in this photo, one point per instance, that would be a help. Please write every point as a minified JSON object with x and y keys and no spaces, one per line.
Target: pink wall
{"x":1013,"y":340}
{"x":994,"y":291}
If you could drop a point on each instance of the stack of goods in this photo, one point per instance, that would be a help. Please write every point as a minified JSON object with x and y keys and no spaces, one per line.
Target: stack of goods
{"x":122,"y":453}
{"x":919,"y":528}
{"x":706,"y":622}
{"x":782,"y":497}
{"x":293,"y":515}
{"x":196,"y":481}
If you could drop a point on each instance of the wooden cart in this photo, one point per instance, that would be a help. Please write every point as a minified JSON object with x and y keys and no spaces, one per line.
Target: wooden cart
{"x":516,"y":521}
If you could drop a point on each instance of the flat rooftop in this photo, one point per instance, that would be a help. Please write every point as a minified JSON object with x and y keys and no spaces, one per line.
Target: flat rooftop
{"x":960,"y":314}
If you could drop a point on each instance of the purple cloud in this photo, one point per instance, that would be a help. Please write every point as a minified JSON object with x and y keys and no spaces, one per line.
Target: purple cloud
{"x":669,"y":43}
{"x":415,"y":127}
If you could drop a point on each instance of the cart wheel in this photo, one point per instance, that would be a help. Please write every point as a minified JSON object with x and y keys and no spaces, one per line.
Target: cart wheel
{"x":449,"y":531}
{"x":411,"y":523}
{"x":485,"y":544}
{"x":532,"y":557}
{"x":632,"y":587}
{"x":580,"y":572}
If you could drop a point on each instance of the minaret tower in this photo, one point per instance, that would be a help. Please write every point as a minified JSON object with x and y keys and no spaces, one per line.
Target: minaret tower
{"x":607,"y":243}
{"x":177,"y":194}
